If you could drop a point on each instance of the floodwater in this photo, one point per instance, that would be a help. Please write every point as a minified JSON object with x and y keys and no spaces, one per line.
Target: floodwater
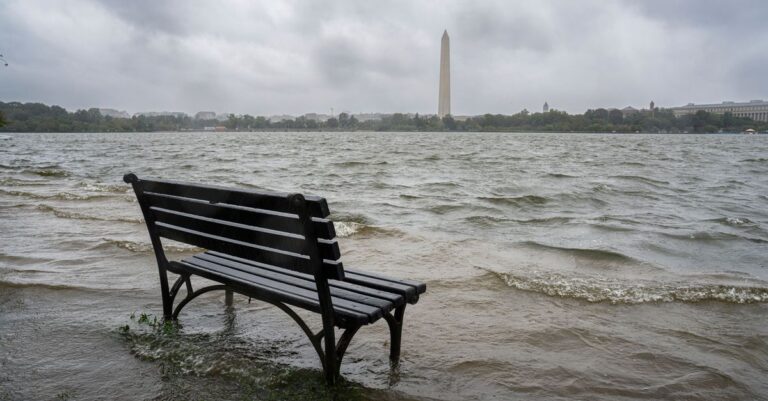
{"x":558,"y":266}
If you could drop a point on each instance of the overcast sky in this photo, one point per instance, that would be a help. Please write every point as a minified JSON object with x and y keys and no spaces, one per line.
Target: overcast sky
{"x":295,"y":57}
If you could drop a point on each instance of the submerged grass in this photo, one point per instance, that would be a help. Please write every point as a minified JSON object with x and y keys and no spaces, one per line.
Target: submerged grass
{"x":216,"y":366}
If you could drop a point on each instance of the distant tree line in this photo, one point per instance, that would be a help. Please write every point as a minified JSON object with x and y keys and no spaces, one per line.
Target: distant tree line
{"x":37,"y":117}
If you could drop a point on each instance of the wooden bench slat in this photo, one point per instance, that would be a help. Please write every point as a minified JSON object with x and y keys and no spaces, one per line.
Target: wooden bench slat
{"x":293,"y":279}
{"x":276,"y":239}
{"x":420,"y":287}
{"x":407,"y":291}
{"x":235,"y":247}
{"x":340,"y":305}
{"x":396,"y":299}
{"x":288,"y":260}
{"x":277,"y":201}
{"x":267,"y":219}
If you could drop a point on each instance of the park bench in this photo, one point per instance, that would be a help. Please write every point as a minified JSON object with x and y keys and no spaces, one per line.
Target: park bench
{"x":275,"y":247}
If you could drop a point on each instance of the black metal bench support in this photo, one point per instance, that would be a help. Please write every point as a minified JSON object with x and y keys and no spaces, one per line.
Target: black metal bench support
{"x":331,"y":361}
{"x":395,"y":324}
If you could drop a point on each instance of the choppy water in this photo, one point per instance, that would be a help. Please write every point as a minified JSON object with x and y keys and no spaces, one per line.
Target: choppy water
{"x":558,"y":266}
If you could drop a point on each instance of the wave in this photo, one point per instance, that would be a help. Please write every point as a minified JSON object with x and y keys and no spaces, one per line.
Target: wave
{"x":638,"y":178}
{"x":755,"y":160}
{"x":703,"y":236}
{"x":444,"y":209}
{"x":78,"y":216}
{"x":143,"y":247}
{"x":48,"y":286}
{"x":560,"y":175}
{"x":633,"y":164}
{"x":733,"y":221}
{"x":22,"y":260}
{"x":589,"y":253}
{"x":350,"y":217}
{"x":358,"y":163}
{"x":249,"y":185}
{"x":345,"y":229}
{"x":100,"y":187}
{"x":598,"y":290}
{"x":440,"y":184}
{"x":15,"y":182}
{"x":524,"y":200}
{"x":488,"y":221}
{"x":48,"y":172}
{"x":57,"y":196}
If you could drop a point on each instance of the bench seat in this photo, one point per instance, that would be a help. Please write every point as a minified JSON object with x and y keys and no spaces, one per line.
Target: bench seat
{"x":361,"y":298}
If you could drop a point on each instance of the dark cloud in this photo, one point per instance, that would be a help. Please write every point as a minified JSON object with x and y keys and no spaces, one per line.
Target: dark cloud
{"x":304,"y":56}
{"x":734,"y":15}
{"x":149,"y":16}
{"x":504,"y":28}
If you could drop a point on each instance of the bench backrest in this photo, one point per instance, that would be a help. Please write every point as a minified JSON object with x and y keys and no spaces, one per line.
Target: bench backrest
{"x":277,"y":229}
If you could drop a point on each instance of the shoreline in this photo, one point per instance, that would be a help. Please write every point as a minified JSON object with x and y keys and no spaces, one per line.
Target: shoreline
{"x":388,"y":131}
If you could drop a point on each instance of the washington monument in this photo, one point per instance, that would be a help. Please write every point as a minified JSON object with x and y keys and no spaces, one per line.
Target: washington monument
{"x":444,"y":101}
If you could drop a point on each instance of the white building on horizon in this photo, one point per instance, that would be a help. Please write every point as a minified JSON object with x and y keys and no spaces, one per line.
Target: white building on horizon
{"x":754,"y":109}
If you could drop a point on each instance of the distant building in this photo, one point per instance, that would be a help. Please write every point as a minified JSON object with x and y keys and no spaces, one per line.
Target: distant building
{"x":162,"y":114}
{"x":546,"y":107}
{"x":114,"y":113}
{"x":368,"y":117}
{"x":652,"y":106}
{"x":317,"y":117}
{"x":754,"y":109}
{"x":629,"y":110}
{"x":278,"y":118}
{"x":205,"y":115}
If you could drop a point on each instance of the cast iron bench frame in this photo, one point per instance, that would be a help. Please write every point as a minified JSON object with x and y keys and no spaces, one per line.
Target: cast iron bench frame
{"x":272,"y":247}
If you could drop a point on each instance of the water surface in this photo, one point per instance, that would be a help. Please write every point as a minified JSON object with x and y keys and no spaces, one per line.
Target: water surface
{"x":558,"y":266}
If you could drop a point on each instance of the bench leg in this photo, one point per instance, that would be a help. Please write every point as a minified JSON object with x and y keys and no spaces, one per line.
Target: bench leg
{"x":331,"y":363}
{"x":165,"y":294}
{"x":228,"y":298}
{"x":341,"y":346}
{"x":395,"y":332}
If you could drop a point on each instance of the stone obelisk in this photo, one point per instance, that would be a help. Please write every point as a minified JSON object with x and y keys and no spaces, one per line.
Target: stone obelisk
{"x":444,"y":99}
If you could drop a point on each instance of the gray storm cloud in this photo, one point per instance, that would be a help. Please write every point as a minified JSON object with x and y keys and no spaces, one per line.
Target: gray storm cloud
{"x":305,"y":56}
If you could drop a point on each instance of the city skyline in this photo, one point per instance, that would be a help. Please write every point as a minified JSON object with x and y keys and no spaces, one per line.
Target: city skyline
{"x":756,"y":109}
{"x":271,"y":59}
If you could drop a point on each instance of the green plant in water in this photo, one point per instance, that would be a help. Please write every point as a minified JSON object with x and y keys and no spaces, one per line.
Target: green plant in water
{"x":159,"y":325}
{"x":144,"y":318}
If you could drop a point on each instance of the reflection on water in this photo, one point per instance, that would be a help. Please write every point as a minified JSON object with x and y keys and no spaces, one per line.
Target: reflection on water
{"x":559,"y":266}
